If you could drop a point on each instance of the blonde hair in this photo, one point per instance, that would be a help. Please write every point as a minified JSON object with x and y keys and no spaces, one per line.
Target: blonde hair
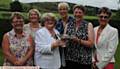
{"x":63,"y":4}
{"x":34,"y":10}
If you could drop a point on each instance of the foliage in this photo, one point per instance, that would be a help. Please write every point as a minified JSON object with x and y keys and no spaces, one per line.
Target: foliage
{"x":116,"y":15}
{"x":117,"y":57}
{"x":1,"y":57}
{"x":91,"y":11}
{"x":118,"y":12}
{"x":16,"y":6}
{"x":4,"y":4}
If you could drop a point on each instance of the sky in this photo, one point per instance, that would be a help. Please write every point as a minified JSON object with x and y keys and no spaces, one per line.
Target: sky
{"x":112,"y":4}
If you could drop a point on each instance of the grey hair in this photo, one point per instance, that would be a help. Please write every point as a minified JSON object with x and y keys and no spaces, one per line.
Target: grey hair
{"x":47,"y":15}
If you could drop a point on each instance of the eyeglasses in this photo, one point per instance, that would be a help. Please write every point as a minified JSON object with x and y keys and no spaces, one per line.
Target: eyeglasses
{"x":105,"y":17}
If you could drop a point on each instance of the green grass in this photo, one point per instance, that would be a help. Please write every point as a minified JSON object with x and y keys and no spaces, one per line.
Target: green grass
{"x":1,"y":57}
{"x":5,"y":3}
{"x":90,"y":17}
{"x":6,"y":14}
{"x":117,"y":57}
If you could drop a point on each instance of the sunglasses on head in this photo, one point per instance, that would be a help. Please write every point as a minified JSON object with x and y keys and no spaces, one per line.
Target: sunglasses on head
{"x":105,"y":17}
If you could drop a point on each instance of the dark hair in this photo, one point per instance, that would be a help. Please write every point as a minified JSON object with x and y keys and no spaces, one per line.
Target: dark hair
{"x":105,"y":10}
{"x":81,"y":7}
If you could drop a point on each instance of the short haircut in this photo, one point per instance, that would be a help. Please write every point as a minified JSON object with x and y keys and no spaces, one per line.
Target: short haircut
{"x":81,"y":7}
{"x":47,"y":15}
{"x":63,"y":4}
{"x":34,"y":10}
{"x":18,"y":15}
{"x":105,"y":10}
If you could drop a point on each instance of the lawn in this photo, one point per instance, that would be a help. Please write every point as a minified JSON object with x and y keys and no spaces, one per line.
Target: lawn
{"x":1,"y":57}
{"x":117,"y":57}
{"x":5,"y":4}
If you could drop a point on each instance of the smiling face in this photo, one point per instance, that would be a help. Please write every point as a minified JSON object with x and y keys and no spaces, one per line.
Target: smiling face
{"x":49,"y":20}
{"x":63,"y":11}
{"x":103,"y":18}
{"x":49,"y":23}
{"x":104,"y":15}
{"x":33,"y":16}
{"x":78,"y":14}
{"x":17,"y":23}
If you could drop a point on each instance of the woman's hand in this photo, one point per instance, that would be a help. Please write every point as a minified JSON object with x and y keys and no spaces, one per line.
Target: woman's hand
{"x":65,"y":37}
{"x":94,"y":66}
{"x":62,"y":43}
{"x":58,"y":43}
{"x":75,"y":39}
{"x":19,"y":62}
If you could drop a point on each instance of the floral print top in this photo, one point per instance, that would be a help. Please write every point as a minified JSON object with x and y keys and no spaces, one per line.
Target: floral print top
{"x":30,"y":30}
{"x":18,"y":47}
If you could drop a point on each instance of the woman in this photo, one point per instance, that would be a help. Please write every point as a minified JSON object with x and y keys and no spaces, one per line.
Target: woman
{"x":33,"y":25}
{"x":78,"y":52}
{"x":63,"y":9}
{"x":17,"y":45}
{"x":106,"y":40}
{"x":47,"y":42}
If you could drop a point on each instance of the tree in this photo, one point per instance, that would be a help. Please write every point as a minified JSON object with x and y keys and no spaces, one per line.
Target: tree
{"x":16,"y":6}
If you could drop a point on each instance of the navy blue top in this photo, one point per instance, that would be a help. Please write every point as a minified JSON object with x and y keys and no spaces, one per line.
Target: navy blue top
{"x":59,"y":24}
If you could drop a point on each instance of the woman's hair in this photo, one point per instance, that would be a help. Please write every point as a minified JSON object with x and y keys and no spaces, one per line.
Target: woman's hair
{"x":34,"y":10}
{"x":105,"y":10}
{"x":81,"y":7}
{"x":18,"y":15}
{"x":45,"y":16}
{"x":63,"y":4}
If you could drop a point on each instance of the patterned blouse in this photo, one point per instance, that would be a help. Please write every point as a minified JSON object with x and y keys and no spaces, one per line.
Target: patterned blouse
{"x":30,"y":30}
{"x":19,"y":47}
{"x":74,"y":51}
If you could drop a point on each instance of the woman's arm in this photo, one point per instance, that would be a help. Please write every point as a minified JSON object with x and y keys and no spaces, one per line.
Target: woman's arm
{"x":29,"y":52}
{"x":6,"y":50}
{"x":90,"y":41}
{"x":42,"y":45}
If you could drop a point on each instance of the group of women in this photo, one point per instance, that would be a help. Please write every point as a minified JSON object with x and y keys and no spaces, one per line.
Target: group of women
{"x":66,"y":43}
